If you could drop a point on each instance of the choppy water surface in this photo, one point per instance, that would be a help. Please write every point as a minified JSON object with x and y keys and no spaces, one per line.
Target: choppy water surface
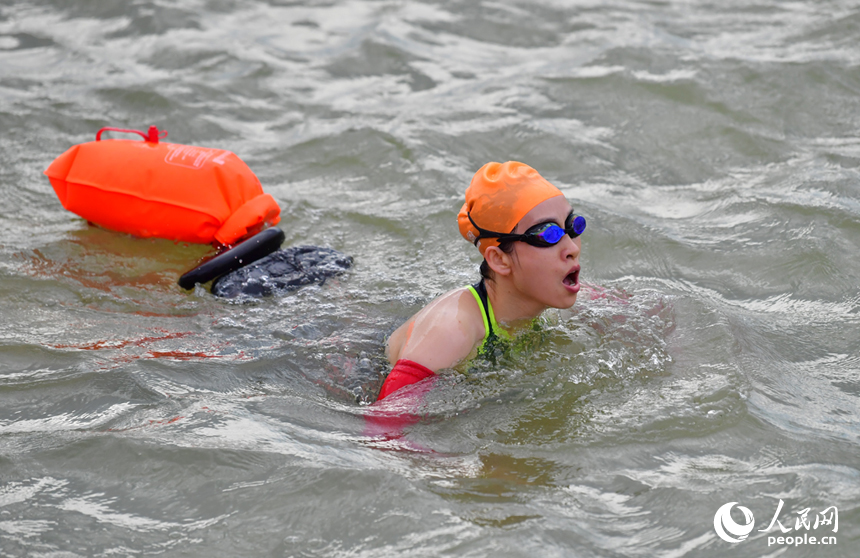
{"x":713,"y":147}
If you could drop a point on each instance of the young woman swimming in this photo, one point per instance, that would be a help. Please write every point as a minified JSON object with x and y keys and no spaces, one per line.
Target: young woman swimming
{"x":529,"y":237}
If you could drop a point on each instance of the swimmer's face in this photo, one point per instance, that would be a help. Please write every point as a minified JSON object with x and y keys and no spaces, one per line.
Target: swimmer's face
{"x":547,"y":275}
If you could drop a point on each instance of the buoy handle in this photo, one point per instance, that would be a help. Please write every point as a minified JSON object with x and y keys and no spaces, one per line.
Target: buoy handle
{"x":153,"y":135}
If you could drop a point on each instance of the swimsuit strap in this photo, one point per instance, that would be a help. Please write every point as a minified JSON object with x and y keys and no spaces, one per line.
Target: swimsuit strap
{"x":479,"y":291}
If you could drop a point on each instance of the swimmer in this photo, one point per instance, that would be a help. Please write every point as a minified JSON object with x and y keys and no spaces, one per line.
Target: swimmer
{"x":529,"y":237}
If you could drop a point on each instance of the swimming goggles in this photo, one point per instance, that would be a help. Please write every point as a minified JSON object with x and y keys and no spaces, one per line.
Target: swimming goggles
{"x":542,"y":234}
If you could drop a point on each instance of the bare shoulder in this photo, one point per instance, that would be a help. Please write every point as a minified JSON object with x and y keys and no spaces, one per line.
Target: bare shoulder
{"x":443,"y":333}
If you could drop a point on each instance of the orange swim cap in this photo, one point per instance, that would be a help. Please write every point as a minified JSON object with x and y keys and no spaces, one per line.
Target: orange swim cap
{"x":499,"y":196}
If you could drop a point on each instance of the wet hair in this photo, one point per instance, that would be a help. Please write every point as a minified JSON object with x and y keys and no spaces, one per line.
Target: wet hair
{"x":506,"y":246}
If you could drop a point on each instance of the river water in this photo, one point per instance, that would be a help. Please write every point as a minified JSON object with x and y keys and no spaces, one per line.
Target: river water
{"x":713,"y":358}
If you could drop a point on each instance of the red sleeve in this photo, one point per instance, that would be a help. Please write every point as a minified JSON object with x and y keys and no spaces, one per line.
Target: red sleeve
{"x":386,"y":422}
{"x":404,"y":373}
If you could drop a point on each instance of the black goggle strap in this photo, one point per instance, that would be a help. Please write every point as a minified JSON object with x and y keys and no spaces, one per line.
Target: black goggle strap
{"x":484,"y":233}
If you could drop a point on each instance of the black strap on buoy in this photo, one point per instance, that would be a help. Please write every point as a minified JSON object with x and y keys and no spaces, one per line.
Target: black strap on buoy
{"x":258,"y":246}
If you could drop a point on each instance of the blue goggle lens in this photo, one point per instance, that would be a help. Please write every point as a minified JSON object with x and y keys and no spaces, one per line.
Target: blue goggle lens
{"x":578,"y":225}
{"x":551,"y":234}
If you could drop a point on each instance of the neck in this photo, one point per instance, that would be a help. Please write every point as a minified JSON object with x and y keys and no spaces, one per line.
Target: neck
{"x":512,"y":310}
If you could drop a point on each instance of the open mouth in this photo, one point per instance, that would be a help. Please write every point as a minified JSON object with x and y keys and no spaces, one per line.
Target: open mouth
{"x":571,"y":279}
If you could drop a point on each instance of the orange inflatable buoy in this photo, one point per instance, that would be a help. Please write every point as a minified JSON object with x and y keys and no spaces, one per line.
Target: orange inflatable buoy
{"x":165,"y":190}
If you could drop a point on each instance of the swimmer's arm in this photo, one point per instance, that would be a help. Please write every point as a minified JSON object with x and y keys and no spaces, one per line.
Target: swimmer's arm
{"x":440,"y":349}
{"x":439,"y":337}
{"x":447,"y":335}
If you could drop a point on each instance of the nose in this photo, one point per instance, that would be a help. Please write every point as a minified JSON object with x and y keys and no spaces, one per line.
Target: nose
{"x":570,"y":247}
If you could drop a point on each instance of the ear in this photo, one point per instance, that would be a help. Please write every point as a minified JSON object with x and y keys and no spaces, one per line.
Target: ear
{"x":498,"y":261}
